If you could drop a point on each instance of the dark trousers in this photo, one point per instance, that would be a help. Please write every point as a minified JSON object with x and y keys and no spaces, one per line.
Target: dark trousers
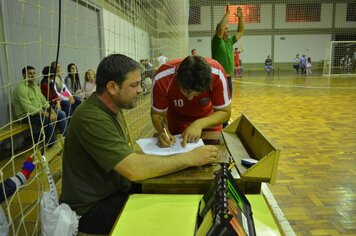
{"x":101,"y":218}
{"x":49,"y":127}
{"x":69,"y":108}
{"x":229,"y":82}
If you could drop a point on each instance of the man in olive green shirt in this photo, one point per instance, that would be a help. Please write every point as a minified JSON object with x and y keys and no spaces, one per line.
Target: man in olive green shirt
{"x":29,"y":101}
{"x":98,"y":161}
{"x":222,"y":44}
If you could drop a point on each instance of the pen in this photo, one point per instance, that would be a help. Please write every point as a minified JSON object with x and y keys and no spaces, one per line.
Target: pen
{"x":231,"y":165}
{"x":163,"y":124}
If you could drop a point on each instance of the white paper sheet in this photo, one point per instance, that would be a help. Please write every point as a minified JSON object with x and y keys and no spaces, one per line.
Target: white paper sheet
{"x":150,"y":146}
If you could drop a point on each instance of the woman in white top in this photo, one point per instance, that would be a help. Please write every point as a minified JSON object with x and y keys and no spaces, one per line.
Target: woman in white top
{"x":72,"y":80}
{"x":68,"y":102}
{"x":308,"y":66}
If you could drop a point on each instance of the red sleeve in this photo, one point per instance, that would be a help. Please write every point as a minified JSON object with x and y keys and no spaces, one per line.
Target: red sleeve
{"x":220,"y":94}
{"x":44,"y":90}
{"x":159,"y":97}
{"x":162,"y":80}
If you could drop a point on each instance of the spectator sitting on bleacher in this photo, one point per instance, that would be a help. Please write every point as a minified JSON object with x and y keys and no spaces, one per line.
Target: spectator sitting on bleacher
{"x":73,"y":84}
{"x":68,"y":103}
{"x":48,"y":88}
{"x":89,"y":83}
{"x":28,"y":100}
{"x":268,"y":65}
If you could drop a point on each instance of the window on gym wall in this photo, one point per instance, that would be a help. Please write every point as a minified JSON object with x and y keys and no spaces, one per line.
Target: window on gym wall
{"x":194,"y":15}
{"x":251,"y":14}
{"x":351,"y":12}
{"x":309,"y":12}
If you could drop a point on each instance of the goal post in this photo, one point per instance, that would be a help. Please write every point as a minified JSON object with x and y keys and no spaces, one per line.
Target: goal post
{"x":340,"y":58}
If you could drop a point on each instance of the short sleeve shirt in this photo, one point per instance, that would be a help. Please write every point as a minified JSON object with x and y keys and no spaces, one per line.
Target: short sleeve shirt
{"x":96,"y":141}
{"x":222,"y":51}
{"x":167,"y":97}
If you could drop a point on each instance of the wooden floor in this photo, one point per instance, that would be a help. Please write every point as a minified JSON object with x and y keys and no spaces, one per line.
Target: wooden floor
{"x":313,"y":121}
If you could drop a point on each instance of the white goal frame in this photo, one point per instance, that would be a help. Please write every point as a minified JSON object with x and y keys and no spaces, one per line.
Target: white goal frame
{"x":330,"y":68}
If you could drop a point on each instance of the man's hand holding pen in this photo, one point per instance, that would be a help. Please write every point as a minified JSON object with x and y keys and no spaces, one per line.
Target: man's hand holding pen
{"x":165,"y":139}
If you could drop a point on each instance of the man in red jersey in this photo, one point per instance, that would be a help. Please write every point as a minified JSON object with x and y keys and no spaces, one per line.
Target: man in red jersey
{"x":189,"y":95}
{"x":237,"y":69}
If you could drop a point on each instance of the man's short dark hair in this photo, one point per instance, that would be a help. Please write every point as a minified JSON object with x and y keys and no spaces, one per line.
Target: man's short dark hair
{"x":194,"y":74}
{"x":48,"y":71}
{"x":114,"y":68}
{"x":27,"y":68}
{"x":54,"y":64}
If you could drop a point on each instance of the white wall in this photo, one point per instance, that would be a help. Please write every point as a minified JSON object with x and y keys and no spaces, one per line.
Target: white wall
{"x":205,"y":20}
{"x":313,"y":46}
{"x":265,"y":18}
{"x":325,"y":18}
{"x":201,"y":44}
{"x":255,"y":48}
{"x":122,"y":37}
{"x":340,"y":17}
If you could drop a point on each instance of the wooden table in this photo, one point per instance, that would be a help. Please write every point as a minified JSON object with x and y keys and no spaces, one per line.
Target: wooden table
{"x":196,"y":180}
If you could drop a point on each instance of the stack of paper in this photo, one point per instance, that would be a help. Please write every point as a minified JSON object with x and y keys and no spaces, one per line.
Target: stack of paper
{"x":150,"y":146}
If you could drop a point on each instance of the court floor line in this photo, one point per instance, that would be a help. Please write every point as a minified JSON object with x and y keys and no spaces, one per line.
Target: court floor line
{"x":294,"y":86}
{"x":282,"y":221}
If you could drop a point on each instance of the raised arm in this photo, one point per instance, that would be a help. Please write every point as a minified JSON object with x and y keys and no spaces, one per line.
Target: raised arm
{"x":220,"y":29}
{"x":240,"y":26}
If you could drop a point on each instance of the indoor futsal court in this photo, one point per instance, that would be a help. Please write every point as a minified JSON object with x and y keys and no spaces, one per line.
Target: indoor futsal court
{"x":300,"y":122}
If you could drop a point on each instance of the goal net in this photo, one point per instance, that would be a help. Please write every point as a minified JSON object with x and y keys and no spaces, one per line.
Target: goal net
{"x":340,"y":58}
{"x":83,"y":32}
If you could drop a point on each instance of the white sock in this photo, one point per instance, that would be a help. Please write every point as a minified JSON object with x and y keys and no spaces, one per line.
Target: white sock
{"x":19,"y":179}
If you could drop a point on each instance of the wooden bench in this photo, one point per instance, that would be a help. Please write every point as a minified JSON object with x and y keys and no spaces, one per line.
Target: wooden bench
{"x":12,"y":130}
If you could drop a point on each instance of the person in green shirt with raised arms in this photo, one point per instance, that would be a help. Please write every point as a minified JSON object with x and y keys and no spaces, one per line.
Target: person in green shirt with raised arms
{"x":222,"y":44}
{"x":29,"y":101}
